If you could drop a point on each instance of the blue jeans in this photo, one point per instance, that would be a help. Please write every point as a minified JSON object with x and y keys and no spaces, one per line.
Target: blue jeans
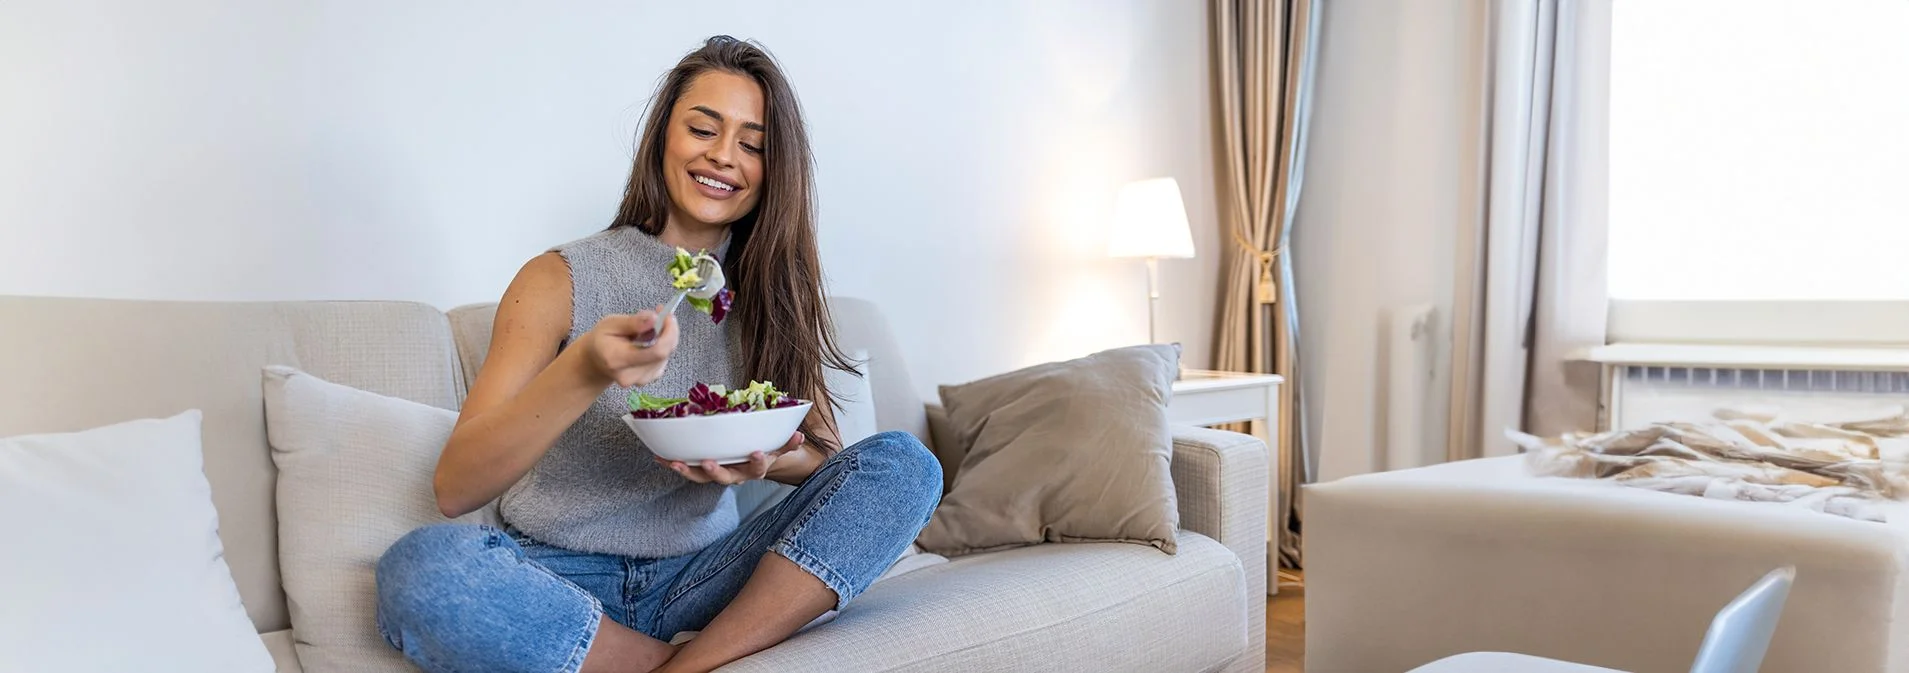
{"x":461,"y":597}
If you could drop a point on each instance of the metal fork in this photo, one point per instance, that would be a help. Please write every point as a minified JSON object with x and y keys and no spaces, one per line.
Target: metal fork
{"x":711,"y":272}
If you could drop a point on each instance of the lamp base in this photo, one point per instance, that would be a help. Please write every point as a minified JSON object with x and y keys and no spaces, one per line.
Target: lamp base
{"x":1153,"y":299}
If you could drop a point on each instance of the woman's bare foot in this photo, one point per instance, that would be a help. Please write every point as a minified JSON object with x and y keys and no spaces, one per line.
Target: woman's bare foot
{"x":618,"y":649}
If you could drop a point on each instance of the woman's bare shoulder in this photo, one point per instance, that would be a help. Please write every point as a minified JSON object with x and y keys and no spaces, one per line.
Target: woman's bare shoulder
{"x":542,"y":275}
{"x":537,"y":303}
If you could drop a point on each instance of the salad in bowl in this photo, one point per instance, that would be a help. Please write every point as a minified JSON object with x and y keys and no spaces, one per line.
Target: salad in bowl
{"x":715,"y":422}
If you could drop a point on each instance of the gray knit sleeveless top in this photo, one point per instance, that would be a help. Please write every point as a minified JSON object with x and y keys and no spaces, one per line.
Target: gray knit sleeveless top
{"x":599,"y":489}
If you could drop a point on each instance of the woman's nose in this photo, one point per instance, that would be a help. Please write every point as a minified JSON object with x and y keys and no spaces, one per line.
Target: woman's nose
{"x":718,"y":154}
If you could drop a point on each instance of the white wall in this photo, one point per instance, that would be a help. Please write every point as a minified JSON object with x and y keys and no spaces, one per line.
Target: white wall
{"x":233,"y":150}
{"x":1390,"y":173}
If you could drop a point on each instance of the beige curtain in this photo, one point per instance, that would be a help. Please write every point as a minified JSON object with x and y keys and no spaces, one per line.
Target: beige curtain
{"x":1264,"y":53}
{"x":1531,"y":284}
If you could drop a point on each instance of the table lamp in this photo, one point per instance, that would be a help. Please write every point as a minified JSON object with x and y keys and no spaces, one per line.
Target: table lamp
{"x":1150,"y":222}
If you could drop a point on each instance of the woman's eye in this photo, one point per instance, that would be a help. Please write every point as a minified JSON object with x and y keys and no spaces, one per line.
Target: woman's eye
{"x":701,"y":133}
{"x":752,"y":148}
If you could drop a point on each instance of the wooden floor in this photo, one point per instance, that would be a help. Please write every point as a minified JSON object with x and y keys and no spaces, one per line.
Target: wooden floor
{"x":1286,"y":630}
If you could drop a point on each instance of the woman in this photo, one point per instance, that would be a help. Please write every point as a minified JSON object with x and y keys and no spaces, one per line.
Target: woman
{"x":610,"y":551}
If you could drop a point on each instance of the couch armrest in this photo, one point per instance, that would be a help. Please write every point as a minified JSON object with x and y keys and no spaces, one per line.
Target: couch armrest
{"x":1220,"y":480}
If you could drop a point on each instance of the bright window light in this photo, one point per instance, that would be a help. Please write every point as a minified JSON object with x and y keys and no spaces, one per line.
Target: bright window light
{"x":1759,"y":150}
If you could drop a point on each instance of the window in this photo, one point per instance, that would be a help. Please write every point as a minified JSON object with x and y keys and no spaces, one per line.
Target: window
{"x":1759,"y":159}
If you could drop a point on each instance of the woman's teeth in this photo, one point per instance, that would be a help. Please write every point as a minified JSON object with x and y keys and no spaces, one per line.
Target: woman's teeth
{"x":715,"y":183}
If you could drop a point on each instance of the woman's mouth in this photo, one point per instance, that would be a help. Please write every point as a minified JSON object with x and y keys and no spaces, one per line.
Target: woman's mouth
{"x":713,"y":188}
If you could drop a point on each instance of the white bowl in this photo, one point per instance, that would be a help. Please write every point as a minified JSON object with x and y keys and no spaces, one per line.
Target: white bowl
{"x":724,"y":438}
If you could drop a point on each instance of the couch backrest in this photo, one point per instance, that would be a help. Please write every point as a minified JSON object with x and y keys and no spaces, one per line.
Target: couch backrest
{"x":71,"y":364}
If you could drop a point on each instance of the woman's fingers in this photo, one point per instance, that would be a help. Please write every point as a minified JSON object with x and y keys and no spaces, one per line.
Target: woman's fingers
{"x":642,"y":326}
{"x":718,"y":473}
{"x":759,"y":464}
{"x":629,"y":325}
{"x":688,"y":472}
{"x":709,"y":471}
{"x":795,"y":442}
{"x":631,"y":363}
{"x":664,"y":327}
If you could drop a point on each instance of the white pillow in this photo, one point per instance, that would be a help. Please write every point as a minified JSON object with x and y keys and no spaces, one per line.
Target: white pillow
{"x":856,"y":418}
{"x":354,"y":475}
{"x":113,"y":560}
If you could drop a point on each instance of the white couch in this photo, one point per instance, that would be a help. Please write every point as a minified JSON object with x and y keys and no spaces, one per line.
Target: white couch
{"x":70,"y":364}
{"x":1406,"y":567}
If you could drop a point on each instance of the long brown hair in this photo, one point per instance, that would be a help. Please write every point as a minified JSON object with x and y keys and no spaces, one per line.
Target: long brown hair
{"x":772,"y":264}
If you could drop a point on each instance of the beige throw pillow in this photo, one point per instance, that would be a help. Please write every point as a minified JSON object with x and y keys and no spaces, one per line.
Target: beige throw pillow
{"x":354,"y":475}
{"x":1072,"y":451}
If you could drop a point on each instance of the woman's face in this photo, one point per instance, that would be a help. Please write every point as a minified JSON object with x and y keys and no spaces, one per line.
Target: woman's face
{"x":712,"y":153}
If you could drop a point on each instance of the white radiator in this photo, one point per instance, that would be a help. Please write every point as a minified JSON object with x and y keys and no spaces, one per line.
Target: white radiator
{"x":1646,"y":384}
{"x":1411,"y":362}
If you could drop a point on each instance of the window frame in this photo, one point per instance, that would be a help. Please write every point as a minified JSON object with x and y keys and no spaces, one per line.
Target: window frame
{"x":1847,"y":323}
{"x":1773,"y":322}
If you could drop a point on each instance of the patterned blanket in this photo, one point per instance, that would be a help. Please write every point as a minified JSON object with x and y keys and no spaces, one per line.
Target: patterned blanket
{"x":1847,"y":469}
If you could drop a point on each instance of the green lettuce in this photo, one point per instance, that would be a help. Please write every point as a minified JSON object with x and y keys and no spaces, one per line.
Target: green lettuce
{"x":682,"y":271}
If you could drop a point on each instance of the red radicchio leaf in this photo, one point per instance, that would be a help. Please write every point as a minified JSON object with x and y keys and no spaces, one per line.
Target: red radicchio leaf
{"x":705,"y":399}
{"x":720,"y":306}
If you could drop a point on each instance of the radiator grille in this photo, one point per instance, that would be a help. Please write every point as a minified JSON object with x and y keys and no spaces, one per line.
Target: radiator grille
{"x":1799,"y":380}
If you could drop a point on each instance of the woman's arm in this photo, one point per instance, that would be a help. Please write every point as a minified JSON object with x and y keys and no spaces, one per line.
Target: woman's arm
{"x":528,"y":392}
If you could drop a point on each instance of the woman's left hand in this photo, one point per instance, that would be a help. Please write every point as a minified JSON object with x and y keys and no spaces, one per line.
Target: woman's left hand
{"x":708,"y":472}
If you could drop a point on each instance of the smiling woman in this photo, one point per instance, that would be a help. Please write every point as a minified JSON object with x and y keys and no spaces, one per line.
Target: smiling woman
{"x":731,"y":153}
{"x":610,"y":551}
{"x":712,"y":160}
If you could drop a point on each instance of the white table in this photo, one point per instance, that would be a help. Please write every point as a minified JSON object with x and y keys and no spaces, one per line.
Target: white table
{"x":1210,"y":398}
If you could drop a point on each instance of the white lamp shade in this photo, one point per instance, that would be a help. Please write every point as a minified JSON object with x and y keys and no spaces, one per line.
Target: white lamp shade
{"x":1150,"y":221}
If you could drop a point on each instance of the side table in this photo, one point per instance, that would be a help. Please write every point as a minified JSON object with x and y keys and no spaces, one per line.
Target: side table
{"x":1211,"y":398}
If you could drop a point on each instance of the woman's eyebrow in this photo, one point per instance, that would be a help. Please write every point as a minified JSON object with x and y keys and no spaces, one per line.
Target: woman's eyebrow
{"x":719,"y":117}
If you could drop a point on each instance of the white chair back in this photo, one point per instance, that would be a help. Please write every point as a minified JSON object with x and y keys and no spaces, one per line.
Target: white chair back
{"x":1740,"y":634}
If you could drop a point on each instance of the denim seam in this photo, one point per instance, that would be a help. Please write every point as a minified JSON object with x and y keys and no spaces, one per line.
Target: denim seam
{"x":715,"y":569}
{"x":575,"y":662}
{"x":835,"y":484}
{"x":788,"y":548}
{"x":378,"y":618}
{"x":582,"y":649}
{"x":636,"y":576}
{"x":814,"y":566}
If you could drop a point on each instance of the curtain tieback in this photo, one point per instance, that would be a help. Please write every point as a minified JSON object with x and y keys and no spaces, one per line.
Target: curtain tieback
{"x":1265,"y":291}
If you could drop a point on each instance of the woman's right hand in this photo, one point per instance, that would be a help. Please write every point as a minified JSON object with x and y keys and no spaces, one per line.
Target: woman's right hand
{"x":615,"y":353}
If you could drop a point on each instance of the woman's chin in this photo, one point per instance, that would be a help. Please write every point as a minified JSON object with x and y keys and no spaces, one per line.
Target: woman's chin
{"x":714,"y":218}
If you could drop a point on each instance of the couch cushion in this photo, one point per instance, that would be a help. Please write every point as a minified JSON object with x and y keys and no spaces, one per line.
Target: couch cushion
{"x":355,"y":474}
{"x":1087,"y":607}
{"x":279,"y":643}
{"x":93,"y":362}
